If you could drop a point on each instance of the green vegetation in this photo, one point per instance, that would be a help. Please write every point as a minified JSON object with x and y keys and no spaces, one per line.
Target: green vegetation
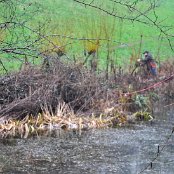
{"x":81,"y":22}
{"x":72,"y":22}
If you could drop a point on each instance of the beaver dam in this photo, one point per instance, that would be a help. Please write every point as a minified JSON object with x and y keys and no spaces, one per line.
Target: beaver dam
{"x":66,"y":96}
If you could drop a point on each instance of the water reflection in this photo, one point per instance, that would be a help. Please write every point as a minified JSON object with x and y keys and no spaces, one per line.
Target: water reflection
{"x":122,"y":151}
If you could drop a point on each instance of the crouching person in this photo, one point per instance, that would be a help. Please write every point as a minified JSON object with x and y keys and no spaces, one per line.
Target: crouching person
{"x":150,"y":64}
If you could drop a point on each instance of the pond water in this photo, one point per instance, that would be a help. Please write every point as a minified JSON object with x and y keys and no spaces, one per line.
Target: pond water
{"x":125,"y":150}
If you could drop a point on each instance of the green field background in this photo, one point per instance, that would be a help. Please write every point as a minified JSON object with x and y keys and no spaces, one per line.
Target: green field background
{"x":74,"y":22}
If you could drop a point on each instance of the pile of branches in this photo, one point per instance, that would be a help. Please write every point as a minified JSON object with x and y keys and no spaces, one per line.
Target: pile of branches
{"x":27,"y":92}
{"x":31,"y":90}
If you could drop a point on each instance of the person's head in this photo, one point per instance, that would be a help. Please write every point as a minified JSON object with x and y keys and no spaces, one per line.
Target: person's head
{"x":146,"y":53}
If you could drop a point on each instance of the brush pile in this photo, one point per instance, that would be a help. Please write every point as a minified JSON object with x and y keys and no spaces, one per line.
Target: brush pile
{"x":29,"y":91}
{"x":69,"y":96}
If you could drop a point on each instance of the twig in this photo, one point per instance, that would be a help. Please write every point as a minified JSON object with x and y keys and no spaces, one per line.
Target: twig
{"x":3,"y":66}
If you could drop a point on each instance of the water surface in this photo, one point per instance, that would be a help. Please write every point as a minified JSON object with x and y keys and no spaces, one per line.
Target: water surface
{"x":126,"y":150}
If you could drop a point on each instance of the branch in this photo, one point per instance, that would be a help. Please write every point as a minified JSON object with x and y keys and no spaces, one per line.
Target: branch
{"x":3,"y":66}
{"x":131,"y":7}
{"x":132,"y":19}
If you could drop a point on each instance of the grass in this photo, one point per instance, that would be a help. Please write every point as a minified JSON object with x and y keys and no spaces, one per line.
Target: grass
{"x":72,"y":19}
{"x":47,"y":123}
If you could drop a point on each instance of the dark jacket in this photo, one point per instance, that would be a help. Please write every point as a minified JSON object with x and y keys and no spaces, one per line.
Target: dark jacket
{"x":150,"y":64}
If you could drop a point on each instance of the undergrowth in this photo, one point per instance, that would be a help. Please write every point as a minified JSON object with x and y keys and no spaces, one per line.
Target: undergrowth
{"x":70,"y":96}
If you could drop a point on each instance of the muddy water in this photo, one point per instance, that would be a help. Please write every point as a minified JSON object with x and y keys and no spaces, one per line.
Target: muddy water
{"x":125,"y":150}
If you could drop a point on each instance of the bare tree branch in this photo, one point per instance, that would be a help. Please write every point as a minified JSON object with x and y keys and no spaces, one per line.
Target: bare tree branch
{"x":135,"y":15}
